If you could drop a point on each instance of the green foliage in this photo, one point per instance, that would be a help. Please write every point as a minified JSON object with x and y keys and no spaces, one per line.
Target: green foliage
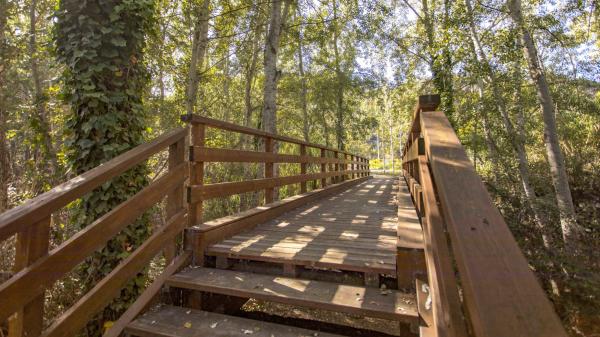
{"x":101,"y":45}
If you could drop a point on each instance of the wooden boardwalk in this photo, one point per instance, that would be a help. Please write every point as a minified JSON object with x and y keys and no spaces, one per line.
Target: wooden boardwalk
{"x":354,"y":230}
{"x":449,"y":262}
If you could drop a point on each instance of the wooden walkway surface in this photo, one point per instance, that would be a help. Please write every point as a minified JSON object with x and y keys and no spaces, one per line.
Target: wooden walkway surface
{"x":354,"y":230}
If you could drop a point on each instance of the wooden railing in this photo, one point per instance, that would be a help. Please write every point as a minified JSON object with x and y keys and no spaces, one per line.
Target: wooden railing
{"x":36,"y":268}
{"x":335,"y":167}
{"x":478,"y":279}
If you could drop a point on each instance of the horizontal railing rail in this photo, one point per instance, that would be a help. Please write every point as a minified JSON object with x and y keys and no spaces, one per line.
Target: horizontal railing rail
{"x":467,"y":241}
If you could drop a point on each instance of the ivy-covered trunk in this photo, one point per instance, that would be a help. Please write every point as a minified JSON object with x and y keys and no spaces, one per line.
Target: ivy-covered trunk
{"x":101,"y":46}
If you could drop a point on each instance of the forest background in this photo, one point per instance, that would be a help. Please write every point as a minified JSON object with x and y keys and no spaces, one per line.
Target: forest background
{"x":518,"y":80}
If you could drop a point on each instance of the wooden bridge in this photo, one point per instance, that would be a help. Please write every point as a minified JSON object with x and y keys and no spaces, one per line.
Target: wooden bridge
{"x":427,"y":251}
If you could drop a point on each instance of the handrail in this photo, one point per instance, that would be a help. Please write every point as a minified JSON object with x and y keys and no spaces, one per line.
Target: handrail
{"x":19,"y":218}
{"x":501,"y":295}
{"x":223,"y":125}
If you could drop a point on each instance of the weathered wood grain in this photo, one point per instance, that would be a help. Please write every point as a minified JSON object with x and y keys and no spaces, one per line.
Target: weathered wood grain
{"x":502,"y":294}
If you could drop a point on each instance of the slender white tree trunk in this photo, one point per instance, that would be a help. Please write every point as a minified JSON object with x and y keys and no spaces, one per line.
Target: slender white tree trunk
{"x":303,"y":85}
{"x":199,"y":45}
{"x":4,"y":153}
{"x":269,"y":112}
{"x":339,"y":129}
{"x":571,"y":230}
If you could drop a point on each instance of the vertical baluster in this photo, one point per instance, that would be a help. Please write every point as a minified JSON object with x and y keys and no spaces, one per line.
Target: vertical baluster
{"x":32,"y":244}
{"x":269,"y":170}
{"x":197,"y":137}
{"x":323,"y":169}
{"x":336,"y":177}
{"x":303,"y":168}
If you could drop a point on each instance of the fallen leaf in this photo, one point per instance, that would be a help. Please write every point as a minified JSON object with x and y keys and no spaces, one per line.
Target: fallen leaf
{"x":187,"y":325}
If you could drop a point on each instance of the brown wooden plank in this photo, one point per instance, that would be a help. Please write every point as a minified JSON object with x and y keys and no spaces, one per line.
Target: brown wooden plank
{"x":145,"y":299}
{"x":77,"y":316}
{"x":303,"y":169}
{"x":31,"y":281}
{"x":221,"y":228}
{"x":359,"y":265}
{"x":197,"y":119}
{"x":32,"y":244}
{"x":40,"y":207}
{"x":410,"y":233}
{"x":207,"y":154}
{"x":306,"y":293}
{"x":382,"y":241}
{"x":269,"y":182}
{"x":323,"y":169}
{"x":175,"y":198}
{"x":197,"y":137}
{"x":277,"y":238}
{"x":307,"y":248}
{"x":199,"y":192}
{"x":306,"y":230}
{"x":446,"y":311}
{"x":502,"y":294}
{"x":171,"y":321}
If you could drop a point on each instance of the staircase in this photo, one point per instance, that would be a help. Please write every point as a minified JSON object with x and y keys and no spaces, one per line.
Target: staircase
{"x":185,"y":321}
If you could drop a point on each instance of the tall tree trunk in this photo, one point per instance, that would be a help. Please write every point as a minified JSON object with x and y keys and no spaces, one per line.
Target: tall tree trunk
{"x":269,"y":113}
{"x":516,"y":142}
{"x":303,"y":85}
{"x":39,"y":102}
{"x":199,"y":45}
{"x":226,"y":85}
{"x":440,"y":58}
{"x":571,"y":230}
{"x":276,"y":22}
{"x":251,"y":72}
{"x":4,"y":153}
{"x":103,"y":128}
{"x":339,"y":126}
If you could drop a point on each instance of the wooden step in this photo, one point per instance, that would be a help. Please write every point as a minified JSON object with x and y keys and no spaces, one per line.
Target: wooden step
{"x":170,"y":321}
{"x":362,"y":301}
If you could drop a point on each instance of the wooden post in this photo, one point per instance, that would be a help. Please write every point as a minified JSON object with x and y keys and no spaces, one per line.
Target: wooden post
{"x":197,"y":137}
{"x":336,"y":177}
{"x":323,"y":169}
{"x":32,"y":244}
{"x":175,"y":198}
{"x":303,"y":168}
{"x":345,"y":166}
{"x":269,"y":170}
{"x":352,"y":166}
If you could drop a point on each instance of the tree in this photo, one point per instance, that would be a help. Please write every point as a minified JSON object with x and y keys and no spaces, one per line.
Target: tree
{"x":339,"y":125}
{"x":571,"y":230}
{"x":482,"y":61}
{"x":45,"y":149}
{"x":276,"y":22}
{"x":199,"y":45}
{"x":4,"y":64}
{"x":101,"y":46}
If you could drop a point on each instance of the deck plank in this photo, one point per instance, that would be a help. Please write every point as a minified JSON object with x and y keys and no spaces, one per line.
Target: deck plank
{"x":170,"y":321}
{"x":366,"y":301}
{"x":353,"y":230}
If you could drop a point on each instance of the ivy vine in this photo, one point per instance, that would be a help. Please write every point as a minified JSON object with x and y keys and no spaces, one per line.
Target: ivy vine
{"x":101,"y":45}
